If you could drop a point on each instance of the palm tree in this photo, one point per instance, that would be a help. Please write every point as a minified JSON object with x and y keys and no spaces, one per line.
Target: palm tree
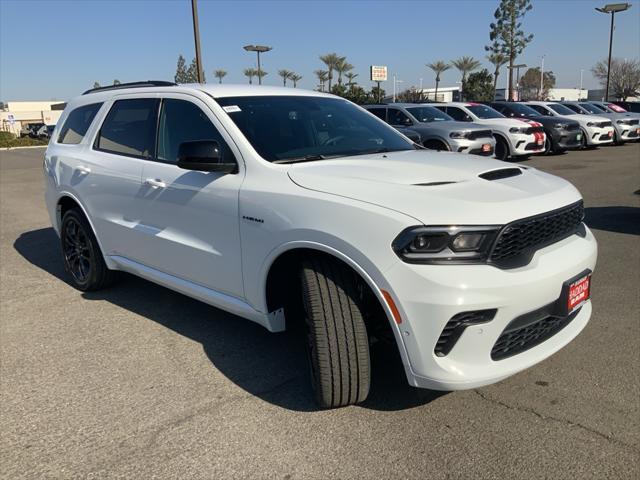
{"x":497,"y":60}
{"x":350,"y":76}
{"x":342,"y":67}
{"x":331,"y":60}
{"x":286,"y":75}
{"x":295,"y":78}
{"x":466,"y":65}
{"x":250,"y":73}
{"x":220,"y":74}
{"x":261,"y":74}
{"x":438,"y":67}
{"x":323,"y":76}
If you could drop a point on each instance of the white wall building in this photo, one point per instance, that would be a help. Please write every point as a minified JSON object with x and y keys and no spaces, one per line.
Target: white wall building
{"x":17,"y":114}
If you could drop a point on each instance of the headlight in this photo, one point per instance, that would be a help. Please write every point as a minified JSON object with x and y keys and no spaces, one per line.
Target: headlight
{"x":620,"y":122}
{"x":514,"y":130}
{"x":590,"y":124}
{"x":444,"y":245}
{"x":559,"y":125}
{"x":458,"y":135}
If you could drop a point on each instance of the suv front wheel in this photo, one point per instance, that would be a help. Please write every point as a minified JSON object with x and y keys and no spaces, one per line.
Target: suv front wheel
{"x":337,"y":341}
{"x":83,"y":259}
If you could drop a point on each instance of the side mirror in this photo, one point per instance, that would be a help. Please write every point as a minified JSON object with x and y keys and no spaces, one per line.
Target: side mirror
{"x":204,"y":156}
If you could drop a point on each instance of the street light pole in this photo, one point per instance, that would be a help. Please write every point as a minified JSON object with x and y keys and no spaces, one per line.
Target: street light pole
{"x":196,"y":35}
{"x":258,"y":49}
{"x":611,"y":8}
{"x":541,"y":78}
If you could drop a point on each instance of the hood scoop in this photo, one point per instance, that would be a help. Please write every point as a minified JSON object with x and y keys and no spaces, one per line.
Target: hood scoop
{"x":432,"y":184}
{"x":501,"y":173}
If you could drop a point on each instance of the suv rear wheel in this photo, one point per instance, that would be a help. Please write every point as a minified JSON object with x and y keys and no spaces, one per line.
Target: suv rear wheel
{"x":82,"y":256}
{"x":337,"y":341}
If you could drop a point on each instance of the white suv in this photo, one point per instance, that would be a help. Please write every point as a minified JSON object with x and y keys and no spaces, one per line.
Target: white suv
{"x":515,"y":138}
{"x":294,"y":208}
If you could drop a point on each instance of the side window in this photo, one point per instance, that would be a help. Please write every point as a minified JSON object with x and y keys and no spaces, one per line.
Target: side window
{"x":458,"y":114}
{"x":130,"y":128}
{"x":398,"y":117}
{"x":379,"y":112}
{"x":78,"y":123}
{"x":182,"y":121}
{"x":540,"y":109}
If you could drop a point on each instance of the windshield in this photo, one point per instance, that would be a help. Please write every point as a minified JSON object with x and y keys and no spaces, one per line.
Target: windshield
{"x":593,"y":108}
{"x":484,"y":112}
{"x":287,"y":128}
{"x":429,"y":114}
{"x":520,"y":110}
{"x":560,"y":109}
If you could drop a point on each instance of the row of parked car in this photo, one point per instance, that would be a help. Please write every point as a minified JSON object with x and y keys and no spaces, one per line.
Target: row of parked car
{"x":37,"y":130}
{"x":511,"y":130}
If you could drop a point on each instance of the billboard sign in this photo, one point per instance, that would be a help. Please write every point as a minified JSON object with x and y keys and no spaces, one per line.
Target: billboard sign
{"x":378,"y":73}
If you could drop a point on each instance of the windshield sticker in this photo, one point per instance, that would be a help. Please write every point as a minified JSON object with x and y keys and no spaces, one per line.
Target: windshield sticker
{"x":231,"y":108}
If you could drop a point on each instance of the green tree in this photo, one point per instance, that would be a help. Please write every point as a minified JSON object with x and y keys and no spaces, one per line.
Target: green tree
{"x":506,"y":33}
{"x":250,"y":73}
{"x":350,"y":78}
{"x":438,"y":67}
{"x":286,"y":75}
{"x":181,"y":71}
{"x":478,"y":86}
{"x":323,"y":76}
{"x":192,"y":73}
{"x":624,"y":80}
{"x":295,"y":78}
{"x":220,"y":74}
{"x":342,"y":67}
{"x":465,"y":65}
{"x":261,"y":74}
{"x":96,"y":85}
{"x":497,"y":60}
{"x":117,"y":82}
{"x":376,"y":95}
{"x":331,"y":60}
{"x":530,"y":84}
{"x":357,"y":94}
{"x":411,"y":95}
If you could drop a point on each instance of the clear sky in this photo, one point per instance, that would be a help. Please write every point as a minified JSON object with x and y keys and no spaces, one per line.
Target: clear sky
{"x":56,"y":49}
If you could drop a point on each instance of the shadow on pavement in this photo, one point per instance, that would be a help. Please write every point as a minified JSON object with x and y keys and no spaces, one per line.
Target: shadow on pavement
{"x":614,"y":219}
{"x":269,"y":366}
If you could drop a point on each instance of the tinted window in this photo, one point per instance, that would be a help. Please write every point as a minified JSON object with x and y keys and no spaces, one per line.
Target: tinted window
{"x":130,"y":128}
{"x":592,"y":108}
{"x":484,"y":111}
{"x":182,"y":121}
{"x":428,"y":114}
{"x":561,"y":109}
{"x":398,"y":117}
{"x":78,"y":123}
{"x":458,"y":114}
{"x":516,"y":110}
{"x":381,"y":113}
{"x":282,"y":128}
{"x":542,"y":110}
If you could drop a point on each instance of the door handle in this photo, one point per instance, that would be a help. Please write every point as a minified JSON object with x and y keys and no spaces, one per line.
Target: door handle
{"x":83,"y":170}
{"x":155,"y":183}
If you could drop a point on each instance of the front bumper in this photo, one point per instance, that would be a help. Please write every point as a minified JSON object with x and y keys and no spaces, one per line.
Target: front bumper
{"x":526,"y":144}
{"x":627,"y":133}
{"x":566,"y":139}
{"x":473,"y":147}
{"x":430,"y":295}
{"x":599,"y":136}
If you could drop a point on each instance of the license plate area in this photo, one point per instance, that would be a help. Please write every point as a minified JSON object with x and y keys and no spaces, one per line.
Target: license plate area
{"x":575,"y":292}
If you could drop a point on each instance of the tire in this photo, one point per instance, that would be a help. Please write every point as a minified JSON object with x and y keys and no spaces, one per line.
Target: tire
{"x":502,"y":149}
{"x":337,"y":341}
{"x":583,"y":141}
{"x":83,"y":260}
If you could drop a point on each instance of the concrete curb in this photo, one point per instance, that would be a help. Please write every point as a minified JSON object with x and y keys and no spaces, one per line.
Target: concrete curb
{"x":24,"y":148}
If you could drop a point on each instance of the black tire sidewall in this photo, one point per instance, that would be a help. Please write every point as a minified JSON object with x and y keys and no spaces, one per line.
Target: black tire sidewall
{"x":96,"y":263}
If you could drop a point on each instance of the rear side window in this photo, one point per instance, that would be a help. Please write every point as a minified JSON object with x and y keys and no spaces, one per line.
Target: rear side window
{"x":398,"y":117}
{"x":379,"y":112}
{"x":78,"y":123}
{"x":130,"y":128}
{"x":458,"y":114}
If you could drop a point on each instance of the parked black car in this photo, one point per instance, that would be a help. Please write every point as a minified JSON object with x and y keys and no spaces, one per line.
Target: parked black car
{"x":562,"y":133}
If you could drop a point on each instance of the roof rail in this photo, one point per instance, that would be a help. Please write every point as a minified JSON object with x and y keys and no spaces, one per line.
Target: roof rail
{"x":147,"y":83}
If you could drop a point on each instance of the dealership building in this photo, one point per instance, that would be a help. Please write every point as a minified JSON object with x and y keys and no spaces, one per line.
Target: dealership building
{"x":15,"y":115}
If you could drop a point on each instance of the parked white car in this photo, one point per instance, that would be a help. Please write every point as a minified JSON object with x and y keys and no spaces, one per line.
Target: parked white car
{"x":515,"y":138}
{"x":297,"y":208}
{"x":596,"y":130}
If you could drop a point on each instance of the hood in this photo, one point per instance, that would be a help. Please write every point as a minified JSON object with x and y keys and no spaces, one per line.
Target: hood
{"x":583,"y":118}
{"x":449,"y":126}
{"x":438,"y":188}
{"x":505,"y":122}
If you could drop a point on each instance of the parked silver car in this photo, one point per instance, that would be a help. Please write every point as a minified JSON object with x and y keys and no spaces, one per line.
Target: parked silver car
{"x":437,"y":129}
{"x":626,"y":126}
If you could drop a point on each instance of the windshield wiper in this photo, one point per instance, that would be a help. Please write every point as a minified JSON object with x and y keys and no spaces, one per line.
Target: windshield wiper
{"x":306,"y":158}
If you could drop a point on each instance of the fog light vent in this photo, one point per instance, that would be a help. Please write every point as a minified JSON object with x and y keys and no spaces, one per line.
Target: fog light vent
{"x":454,"y":328}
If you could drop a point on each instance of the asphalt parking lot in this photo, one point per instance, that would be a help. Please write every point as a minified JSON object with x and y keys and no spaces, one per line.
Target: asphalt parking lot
{"x":141,"y":382}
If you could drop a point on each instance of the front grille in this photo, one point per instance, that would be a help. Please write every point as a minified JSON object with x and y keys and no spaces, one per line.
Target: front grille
{"x":519,"y":240}
{"x":516,"y":340}
{"x":458,"y":323}
{"x":532,"y":147}
{"x":475,"y":134}
{"x":605,"y":136}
